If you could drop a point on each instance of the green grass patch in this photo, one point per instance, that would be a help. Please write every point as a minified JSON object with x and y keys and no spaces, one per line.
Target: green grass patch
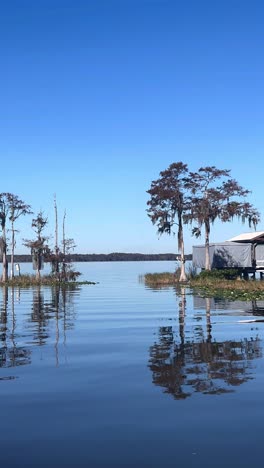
{"x":216,"y":283}
{"x":160,"y":279}
{"x":232,"y":294}
{"x":229,"y":286}
{"x":47,"y":280}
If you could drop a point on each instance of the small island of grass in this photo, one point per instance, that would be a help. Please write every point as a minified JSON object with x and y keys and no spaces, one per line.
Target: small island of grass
{"x":214,"y":283}
{"x":46,"y":280}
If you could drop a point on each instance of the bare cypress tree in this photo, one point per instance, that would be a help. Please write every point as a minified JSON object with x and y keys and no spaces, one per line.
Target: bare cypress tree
{"x":56,"y":224}
{"x":68,"y":245}
{"x":64,"y":247}
{"x":56,"y":258}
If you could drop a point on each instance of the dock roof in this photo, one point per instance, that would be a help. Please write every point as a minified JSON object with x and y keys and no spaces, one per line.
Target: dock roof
{"x":249,"y":237}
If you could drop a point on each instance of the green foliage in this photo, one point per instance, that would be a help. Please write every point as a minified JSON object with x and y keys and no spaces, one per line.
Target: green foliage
{"x":234,"y":294}
{"x":226,"y":274}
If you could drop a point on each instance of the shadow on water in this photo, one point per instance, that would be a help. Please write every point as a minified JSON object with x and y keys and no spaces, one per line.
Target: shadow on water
{"x":47,"y":318}
{"x":200,"y":363}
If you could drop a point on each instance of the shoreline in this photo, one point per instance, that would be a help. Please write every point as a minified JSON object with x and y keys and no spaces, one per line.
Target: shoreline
{"x":222,"y":288}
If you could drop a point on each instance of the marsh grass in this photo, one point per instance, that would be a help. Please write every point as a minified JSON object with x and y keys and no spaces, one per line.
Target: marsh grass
{"x":211,"y":285}
{"x":47,"y":280}
{"x":231,"y":289}
{"x":160,"y":279}
{"x":168,"y":278}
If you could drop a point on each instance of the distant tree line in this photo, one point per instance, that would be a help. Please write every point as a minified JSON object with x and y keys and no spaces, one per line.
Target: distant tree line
{"x":112,"y":257}
{"x":180,"y":197}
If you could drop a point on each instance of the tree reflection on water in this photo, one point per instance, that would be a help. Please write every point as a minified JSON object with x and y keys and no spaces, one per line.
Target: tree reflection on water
{"x":11,"y":354}
{"x":42,"y":321}
{"x":200,"y":364}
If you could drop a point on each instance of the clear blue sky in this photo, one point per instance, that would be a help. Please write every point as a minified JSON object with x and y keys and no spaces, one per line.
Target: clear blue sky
{"x":99,"y":96}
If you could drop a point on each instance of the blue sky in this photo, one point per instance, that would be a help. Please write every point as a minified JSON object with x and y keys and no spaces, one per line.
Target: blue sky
{"x":97,"y":97}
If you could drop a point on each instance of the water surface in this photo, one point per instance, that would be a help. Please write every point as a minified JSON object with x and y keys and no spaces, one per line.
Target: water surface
{"x":119,"y":375}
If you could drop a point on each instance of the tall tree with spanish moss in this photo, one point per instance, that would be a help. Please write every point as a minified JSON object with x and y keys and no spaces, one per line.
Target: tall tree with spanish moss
{"x":11,"y":208}
{"x":39,"y":245}
{"x":4,"y":209}
{"x":167,"y":204}
{"x":17,"y":208}
{"x":215,"y":195}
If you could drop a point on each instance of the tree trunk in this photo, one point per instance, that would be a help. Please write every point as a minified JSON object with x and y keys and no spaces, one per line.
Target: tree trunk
{"x":207,"y":245}
{"x":12,"y":251}
{"x":64,"y":248}
{"x":183,"y":273}
{"x":56,"y":239}
{"x":5,"y":262}
{"x":181,"y":249}
{"x":38,"y":274}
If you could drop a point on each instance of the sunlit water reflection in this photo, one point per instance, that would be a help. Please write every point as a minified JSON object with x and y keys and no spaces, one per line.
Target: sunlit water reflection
{"x":117,"y":374}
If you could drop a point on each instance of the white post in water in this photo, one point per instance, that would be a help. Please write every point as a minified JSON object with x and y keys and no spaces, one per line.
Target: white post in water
{"x":18,"y":268}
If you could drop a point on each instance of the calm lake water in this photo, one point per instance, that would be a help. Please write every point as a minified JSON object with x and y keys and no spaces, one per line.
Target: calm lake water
{"x":119,"y":375}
